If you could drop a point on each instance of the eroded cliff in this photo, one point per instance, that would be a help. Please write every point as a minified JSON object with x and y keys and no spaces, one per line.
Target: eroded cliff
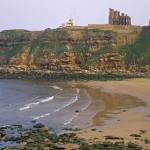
{"x":72,"y":48}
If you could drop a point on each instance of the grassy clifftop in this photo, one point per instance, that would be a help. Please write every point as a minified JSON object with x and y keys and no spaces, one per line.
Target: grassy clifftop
{"x":138,"y":52}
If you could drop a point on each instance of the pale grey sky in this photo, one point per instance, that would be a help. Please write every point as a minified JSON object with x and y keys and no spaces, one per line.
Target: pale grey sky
{"x":41,"y":14}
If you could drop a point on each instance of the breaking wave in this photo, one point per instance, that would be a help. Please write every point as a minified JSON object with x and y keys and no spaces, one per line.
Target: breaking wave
{"x":30,"y":105}
{"x":47,"y":99}
{"x":70,"y":103}
{"x":71,"y":119}
{"x":41,"y":116}
{"x":76,"y":98}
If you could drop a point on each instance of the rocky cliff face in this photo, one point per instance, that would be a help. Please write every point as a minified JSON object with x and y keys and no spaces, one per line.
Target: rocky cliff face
{"x":64,"y":48}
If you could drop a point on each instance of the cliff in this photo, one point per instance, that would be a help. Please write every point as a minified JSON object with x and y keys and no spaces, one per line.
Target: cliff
{"x":73,"y":48}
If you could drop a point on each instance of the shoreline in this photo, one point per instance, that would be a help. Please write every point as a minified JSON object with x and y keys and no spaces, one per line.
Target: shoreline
{"x":13,"y":73}
{"x":131,"y":125}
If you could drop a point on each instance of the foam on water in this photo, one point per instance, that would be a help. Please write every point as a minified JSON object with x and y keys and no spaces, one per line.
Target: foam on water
{"x":34,"y":98}
{"x":71,"y":119}
{"x":76,"y":115}
{"x":56,"y":87}
{"x":84,"y":108}
{"x":76,"y":98}
{"x":5,"y":126}
{"x":70,"y":103}
{"x":24,"y":108}
{"x":46,"y":99}
{"x":30,"y":105}
{"x":41,"y":116}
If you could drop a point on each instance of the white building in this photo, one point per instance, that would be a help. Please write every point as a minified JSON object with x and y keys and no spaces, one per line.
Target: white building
{"x":69,"y":23}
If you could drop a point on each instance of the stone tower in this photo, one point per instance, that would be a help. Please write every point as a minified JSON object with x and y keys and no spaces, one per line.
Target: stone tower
{"x":115,"y":18}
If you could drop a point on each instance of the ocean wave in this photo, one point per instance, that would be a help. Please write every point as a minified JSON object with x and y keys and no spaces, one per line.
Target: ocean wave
{"x":76,"y":115}
{"x":76,"y":98}
{"x":34,"y":98}
{"x":84,"y":108}
{"x":30,"y":105}
{"x":24,"y":108}
{"x":57,"y":87}
{"x":41,"y":116}
{"x":58,"y":109}
{"x":6,"y":126}
{"x":71,"y":119}
{"x":47,"y":99}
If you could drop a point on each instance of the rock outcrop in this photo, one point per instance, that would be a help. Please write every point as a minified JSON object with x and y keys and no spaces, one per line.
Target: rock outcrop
{"x":111,"y":62}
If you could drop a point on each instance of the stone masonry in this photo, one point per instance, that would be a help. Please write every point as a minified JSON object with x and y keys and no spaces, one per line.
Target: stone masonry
{"x":117,"y":18}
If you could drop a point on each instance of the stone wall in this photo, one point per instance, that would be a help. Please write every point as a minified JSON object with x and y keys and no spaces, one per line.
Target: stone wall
{"x":116,"y":28}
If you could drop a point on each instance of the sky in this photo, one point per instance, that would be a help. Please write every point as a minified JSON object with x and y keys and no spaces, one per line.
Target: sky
{"x":41,"y":14}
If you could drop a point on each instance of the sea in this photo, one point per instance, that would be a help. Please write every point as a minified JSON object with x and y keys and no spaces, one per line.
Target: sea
{"x":56,"y":104}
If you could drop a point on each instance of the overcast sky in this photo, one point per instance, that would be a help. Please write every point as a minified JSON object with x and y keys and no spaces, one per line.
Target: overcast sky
{"x":41,"y":14}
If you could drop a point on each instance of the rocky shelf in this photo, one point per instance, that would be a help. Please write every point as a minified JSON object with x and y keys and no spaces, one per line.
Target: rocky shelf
{"x":13,"y":73}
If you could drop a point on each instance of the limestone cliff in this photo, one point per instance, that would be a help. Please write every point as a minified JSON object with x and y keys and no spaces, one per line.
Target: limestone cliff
{"x":70,"y":48}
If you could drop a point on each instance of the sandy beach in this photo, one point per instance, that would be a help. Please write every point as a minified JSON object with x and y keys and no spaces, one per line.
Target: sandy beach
{"x":124,"y":122}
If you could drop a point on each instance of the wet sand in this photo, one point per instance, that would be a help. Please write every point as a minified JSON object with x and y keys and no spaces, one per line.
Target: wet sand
{"x":124,"y":121}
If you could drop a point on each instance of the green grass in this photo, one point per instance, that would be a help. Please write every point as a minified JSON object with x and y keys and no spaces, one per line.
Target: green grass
{"x":139,"y":52}
{"x":12,"y":51}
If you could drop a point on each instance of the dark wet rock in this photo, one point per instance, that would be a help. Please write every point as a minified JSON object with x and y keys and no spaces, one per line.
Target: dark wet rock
{"x":134,"y":146}
{"x":135,"y":135}
{"x":94,"y":129}
{"x":124,"y":110}
{"x":2,"y":133}
{"x":41,"y":138}
{"x":147,"y":141}
{"x":33,"y":121}
{"x":72,"y":129}
{"x":142,"y":131}
{"x":39,"y":125}
{"x":109,"y":137}
{"x":25,"y":135}
{"x":12,"y":138}
{"x":77,"y":111}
